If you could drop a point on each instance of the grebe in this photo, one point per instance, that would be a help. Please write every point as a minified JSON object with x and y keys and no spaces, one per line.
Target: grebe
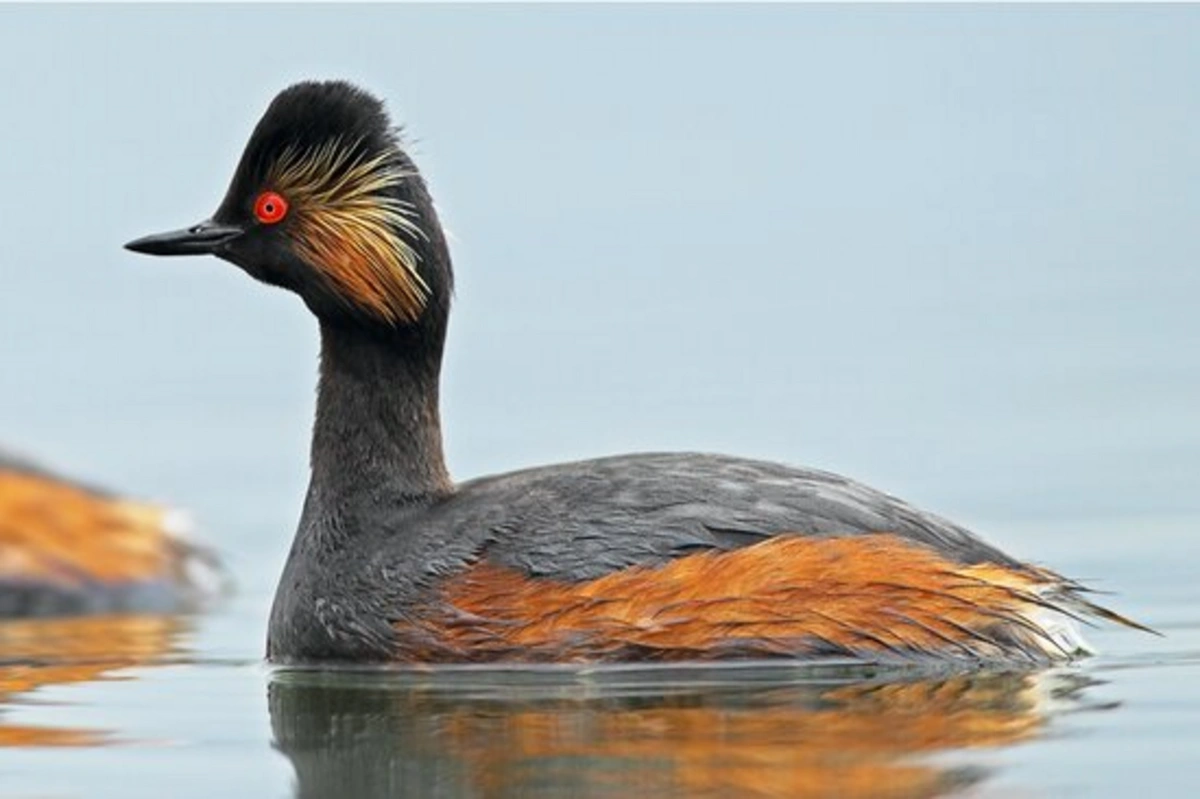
{"x":67,"y":548}
{"x":640,"y":557}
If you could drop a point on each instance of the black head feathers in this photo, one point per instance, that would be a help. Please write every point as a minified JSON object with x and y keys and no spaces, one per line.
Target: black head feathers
{"x":325,"y":202}
{"x":306,"y":117}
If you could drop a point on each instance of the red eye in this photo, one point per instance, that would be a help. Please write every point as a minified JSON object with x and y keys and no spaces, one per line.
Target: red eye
{"x":270,"y":207}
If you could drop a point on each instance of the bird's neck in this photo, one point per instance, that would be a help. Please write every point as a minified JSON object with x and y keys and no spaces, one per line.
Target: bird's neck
{"x":377,"y":439}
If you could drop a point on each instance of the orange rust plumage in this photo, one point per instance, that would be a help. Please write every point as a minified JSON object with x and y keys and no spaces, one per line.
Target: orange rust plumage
{"x":876,"y":595}
{"x":54,"y":531}
{"x":58,"y":536}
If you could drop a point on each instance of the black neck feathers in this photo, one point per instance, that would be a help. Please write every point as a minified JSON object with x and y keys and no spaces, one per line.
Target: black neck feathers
{"x":377,"y":439}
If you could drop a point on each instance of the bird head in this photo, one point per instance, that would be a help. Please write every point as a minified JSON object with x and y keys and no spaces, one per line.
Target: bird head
{"x":326,"y":203}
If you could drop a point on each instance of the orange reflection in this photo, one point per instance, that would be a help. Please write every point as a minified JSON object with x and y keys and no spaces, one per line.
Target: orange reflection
{"x":788,"y":740}
{"x":39,"y":653}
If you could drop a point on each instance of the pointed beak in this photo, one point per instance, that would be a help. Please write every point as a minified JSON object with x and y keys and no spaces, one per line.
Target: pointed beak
{"x":202,"y":239}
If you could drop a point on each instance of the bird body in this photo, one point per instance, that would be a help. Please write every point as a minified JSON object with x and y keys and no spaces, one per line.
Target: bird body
{"x":664,"y":556}
{"x":637,"y":557}
{"x":67,"y":548}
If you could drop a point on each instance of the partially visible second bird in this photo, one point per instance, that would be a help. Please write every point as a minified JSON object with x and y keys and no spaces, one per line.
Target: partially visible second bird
{"x":67,"y":548}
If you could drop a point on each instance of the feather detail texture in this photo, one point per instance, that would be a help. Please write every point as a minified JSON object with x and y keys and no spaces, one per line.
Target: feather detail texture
{"x":350,"y":226}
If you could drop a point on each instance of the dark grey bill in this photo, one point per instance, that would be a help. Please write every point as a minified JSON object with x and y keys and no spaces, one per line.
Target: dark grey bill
{"x":200,"y":239}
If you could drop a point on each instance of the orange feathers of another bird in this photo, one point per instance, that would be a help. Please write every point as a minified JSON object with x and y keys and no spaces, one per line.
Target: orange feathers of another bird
{"x":61,"y":537}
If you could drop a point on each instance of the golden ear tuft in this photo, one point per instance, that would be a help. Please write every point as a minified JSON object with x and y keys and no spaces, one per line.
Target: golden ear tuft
{"x":350,"y":227}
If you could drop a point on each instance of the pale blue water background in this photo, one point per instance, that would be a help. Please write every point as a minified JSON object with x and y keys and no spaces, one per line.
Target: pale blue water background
{"x":950,"y":251}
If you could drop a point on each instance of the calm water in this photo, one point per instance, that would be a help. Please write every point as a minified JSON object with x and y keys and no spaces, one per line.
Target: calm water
{"x":950,"y":251}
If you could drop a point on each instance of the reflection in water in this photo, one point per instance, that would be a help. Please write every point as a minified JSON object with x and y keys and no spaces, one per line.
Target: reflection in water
{"x":477,"y":735}
{"x":38,"y":653}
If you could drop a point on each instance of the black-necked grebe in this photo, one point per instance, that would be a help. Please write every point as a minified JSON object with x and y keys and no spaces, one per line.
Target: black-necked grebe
{"x":638,"y":557}
{"x":68,"y":548}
